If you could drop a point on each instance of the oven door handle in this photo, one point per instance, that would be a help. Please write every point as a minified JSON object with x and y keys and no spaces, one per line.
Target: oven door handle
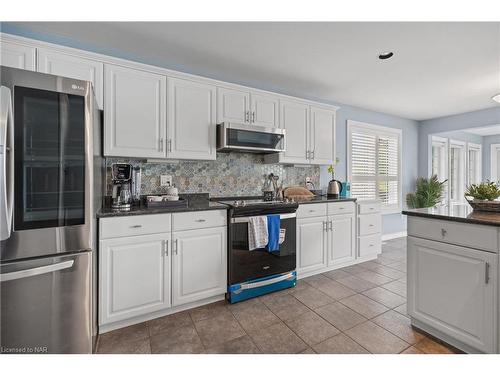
{"x":287,"y":276}
{"x":245,"y":219}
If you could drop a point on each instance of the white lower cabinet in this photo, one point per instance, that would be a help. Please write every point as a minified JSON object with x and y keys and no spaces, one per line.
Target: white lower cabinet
{"x":145,"y":274}
{"x":453,"y":289}
{"x":199,"y":268}
{"x":311,"y":244}
{"x":134,"y":276}
{"x":341,"y":248}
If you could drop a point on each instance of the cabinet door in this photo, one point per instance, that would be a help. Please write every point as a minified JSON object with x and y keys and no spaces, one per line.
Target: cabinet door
{"x":311,"y":244}
{"x":322,"y":135}
{"x":60,"y":64}
{"x":17,"y":55}
{"x":135,"y":118}
{"x":294,"y":118}
{"x":191,"y":120}
{"x":199,"y":264}
{"x":233,"y":106}
{"x":454,"y":290}
{"x":264,"y":110}
{"x":341,"y":246}
{"x":134,"y":276}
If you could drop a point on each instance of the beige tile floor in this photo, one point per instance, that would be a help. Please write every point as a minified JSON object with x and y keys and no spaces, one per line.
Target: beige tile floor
{"x":356,"y":309}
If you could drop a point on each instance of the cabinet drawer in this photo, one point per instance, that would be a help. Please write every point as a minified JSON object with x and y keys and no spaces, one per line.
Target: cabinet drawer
{"x":368,"y":245}
{"x":134,"y":225}
{"x":199,"y":219}
{"x":369,"y":224}
{"x":469,"y":235}
{"x":368,"y":207}
{"x":311,"y":210}
{"x":340,"y":208}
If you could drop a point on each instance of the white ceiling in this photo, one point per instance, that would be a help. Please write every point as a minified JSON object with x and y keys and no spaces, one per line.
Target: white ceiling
{"x":438,"y":69}
{"x":487,"y":130}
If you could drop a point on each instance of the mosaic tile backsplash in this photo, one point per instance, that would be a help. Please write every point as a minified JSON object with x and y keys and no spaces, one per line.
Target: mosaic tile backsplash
{"x":231,"y":174}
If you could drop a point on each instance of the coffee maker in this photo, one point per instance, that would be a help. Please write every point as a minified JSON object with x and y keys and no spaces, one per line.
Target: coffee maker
{"x":122,"y":180}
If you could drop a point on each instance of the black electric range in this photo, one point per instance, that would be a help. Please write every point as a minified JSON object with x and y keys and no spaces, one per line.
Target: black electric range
{"x":255,"y":272}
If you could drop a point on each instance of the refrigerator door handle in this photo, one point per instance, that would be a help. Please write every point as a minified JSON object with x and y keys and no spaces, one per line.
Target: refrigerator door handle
{"x":36,"y":271}
{"x":6,"y":162}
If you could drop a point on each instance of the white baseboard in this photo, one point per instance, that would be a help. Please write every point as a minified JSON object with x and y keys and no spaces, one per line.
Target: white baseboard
{"x":391,"y":236}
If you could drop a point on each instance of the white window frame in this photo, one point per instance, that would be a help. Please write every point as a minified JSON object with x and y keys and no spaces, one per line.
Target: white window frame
{"x":377,"y":130}
{"x":479,"y":162}
{"x":493,"y":158}
{"x":441,"y":142}
{"x":462,"y":172}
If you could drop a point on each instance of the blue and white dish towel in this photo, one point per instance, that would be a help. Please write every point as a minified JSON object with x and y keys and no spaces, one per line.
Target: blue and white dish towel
{"x":273,"y":229}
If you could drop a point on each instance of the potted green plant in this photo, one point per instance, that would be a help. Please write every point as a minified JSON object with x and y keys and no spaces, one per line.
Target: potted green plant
{"x":483,"y":196}
{"x":429,"y":192}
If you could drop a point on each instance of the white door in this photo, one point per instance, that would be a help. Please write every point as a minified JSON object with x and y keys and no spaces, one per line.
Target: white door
{"x":17,"y":55}
{"x":322,"y":135}
{"x":294,"y":118}
{"x":341,"y":246}
{"x":191,"y":120}
{"x":233,"y":106}
{"x":64,"y":65}
{"x":311,"y":244}
{"x":135,"y":117}
{"x":264,"y":110}
{"x":199,"y":264}
{"x":134,"y":276}
{"x":454,"y":290}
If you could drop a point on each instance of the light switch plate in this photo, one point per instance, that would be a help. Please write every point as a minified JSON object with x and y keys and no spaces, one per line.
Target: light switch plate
{"x":165,"y":180}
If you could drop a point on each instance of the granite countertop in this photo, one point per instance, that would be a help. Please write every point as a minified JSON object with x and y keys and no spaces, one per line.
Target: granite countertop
{"x":459,"y":213}
{"x":324,"y":199}
{"x":196,"y":202}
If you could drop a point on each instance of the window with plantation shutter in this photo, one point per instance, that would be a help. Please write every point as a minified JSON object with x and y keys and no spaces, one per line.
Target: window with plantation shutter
{"x":374,"y":164}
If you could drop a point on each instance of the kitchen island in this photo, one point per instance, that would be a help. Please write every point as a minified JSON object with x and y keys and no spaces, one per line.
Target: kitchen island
{"x":453,"y":271}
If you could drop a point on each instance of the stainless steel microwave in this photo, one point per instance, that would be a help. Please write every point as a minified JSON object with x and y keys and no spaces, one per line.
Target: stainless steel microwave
{"x":249,"y":138}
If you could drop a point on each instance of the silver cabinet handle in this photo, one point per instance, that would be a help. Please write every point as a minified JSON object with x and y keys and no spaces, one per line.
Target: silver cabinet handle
{"x":166,"y":248}
{"x":371,"y":225}
{"x":486,"y":272}
{"x":312,"y":153}
{"x":325,"y":226}
{"x":247,"y":116}
{"x":176,"y":246}
{"x":308,"y":154}
{"x":161,"y":144}
{"x":36,"y":271}
{"x":200,"y":220}
{"x":136,"y":226}
{"x":169,"y":145}
{"x":331,"y":225}
{"x":253,"y":117}
{"x":443,"y":232}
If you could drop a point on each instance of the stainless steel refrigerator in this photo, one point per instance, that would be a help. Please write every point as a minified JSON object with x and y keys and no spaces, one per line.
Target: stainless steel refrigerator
{"x":50,"y":189}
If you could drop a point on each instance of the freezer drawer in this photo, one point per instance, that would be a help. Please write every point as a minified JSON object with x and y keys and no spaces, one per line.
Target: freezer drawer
{"x":46,"y":305}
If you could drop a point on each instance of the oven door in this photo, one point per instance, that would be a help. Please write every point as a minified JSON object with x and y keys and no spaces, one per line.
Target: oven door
{"x":246,"y":265}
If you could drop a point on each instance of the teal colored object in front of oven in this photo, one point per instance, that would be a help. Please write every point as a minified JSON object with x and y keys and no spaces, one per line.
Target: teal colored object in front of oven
{"x":258,"y":287}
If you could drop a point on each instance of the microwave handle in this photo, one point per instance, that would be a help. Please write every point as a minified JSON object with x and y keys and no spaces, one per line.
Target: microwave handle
{"x":6,"y":162}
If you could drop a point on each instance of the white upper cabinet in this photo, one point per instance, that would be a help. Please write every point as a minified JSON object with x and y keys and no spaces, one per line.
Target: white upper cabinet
{"x":233,"y":106}
{"x":60,"y":64}
{"x":294,"y":118}
{"x":245,"y":107}
{"x":199,"y":268}
{"x":321,"y":136}
{"x":264,"y":110}
{"x":135,"y":116}
{"x":17,"y":55}
{"x":191,"y":120}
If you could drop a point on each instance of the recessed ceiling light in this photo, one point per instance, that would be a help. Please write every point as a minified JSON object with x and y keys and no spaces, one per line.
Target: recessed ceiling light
{"x":496,"y":98}
{"x":385,"y":55}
